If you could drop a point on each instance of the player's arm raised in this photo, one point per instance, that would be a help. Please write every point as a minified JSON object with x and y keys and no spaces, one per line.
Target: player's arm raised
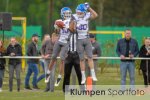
{"x":93,"y":12}
{"x":72,"y":26}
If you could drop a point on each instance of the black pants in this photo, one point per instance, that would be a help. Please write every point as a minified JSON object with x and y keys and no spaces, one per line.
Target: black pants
{"x":71,"y":61}
{"x":146,"y":79}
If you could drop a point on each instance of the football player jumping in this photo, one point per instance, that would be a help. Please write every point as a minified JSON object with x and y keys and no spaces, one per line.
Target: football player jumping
{"x":84,"y":13}
{"x":61,"y":46}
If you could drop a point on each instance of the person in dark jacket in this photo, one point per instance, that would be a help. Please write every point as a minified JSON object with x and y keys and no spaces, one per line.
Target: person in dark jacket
{"x":145,"y":64}
{"x":32,"y":63}
{"x":127,"y":47}
{"x":14,"y":49}
{"x":2,"y":64}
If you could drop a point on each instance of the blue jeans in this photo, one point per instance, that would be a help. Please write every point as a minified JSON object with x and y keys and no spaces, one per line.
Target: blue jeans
{"x":32,"y":68}
{"x":43,"y":67}
{"x":50,"y":84}
{"x":130,"y":67}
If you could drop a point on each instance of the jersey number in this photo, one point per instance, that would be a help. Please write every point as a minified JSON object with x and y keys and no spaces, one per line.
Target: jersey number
{"x":64,"y":31}
{"x":82,"y":27}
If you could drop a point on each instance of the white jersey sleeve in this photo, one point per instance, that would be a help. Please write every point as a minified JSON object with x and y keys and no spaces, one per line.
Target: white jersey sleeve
{"x":87,"y":15}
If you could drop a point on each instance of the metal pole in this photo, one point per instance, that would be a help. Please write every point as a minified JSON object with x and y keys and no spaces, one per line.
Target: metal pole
{"x":39,"y":57}
{"x":24,"y":22}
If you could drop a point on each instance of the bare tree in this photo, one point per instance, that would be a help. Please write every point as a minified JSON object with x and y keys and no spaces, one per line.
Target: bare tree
{"x":50,"y":15}
{"x":98,"y":5}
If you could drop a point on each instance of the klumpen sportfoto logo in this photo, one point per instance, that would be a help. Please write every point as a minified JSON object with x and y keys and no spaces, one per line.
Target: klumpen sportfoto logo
{"x":108,"y":92}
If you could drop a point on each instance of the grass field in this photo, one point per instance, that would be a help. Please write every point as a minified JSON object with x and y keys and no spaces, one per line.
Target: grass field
{"x":110,"y":76}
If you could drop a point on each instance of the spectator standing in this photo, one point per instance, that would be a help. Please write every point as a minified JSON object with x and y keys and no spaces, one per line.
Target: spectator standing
{"x":46,"y":51}
{"x":2,"y":64}
{"x":32,"y":63}
{"x":145,"y":64}
{"x":127,"y":47}
{"x":14,"y":49}
{"x":42,"y":61}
